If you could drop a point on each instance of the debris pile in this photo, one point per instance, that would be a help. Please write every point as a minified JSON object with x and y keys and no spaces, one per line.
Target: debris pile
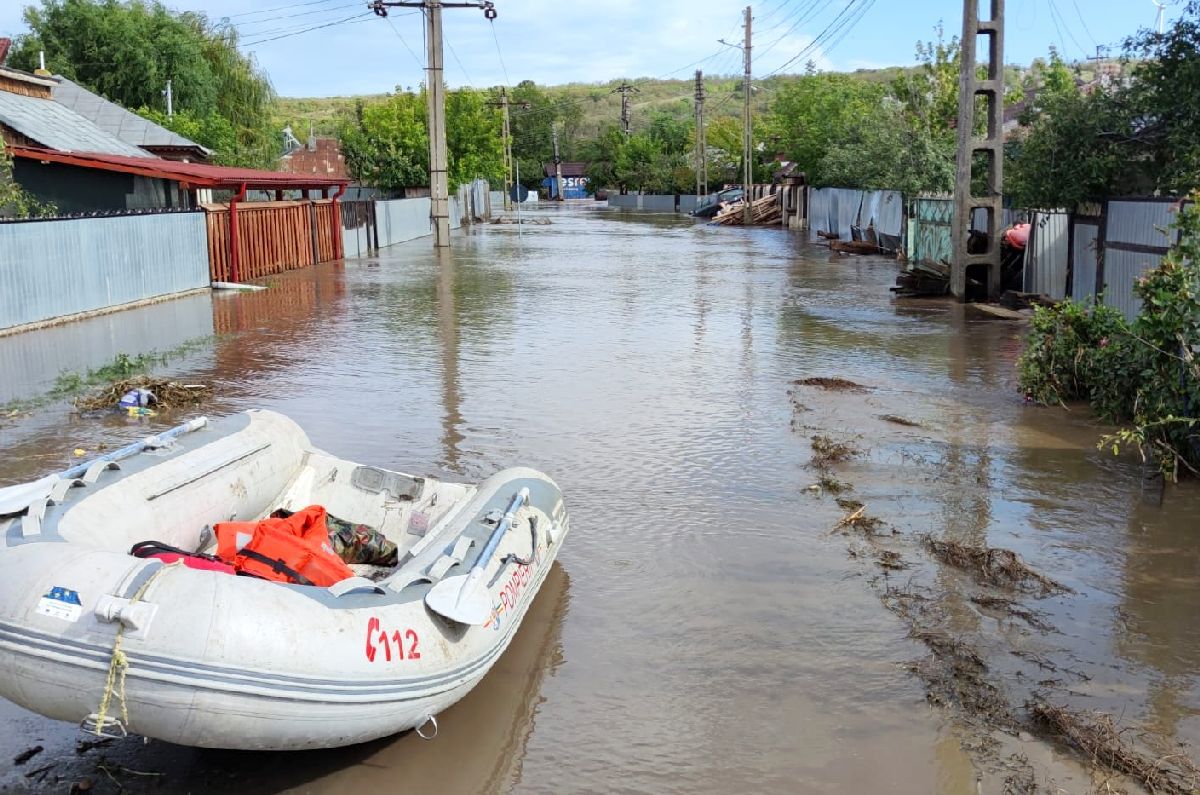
{"x":923,"y":279}
{"x":1096,"y":736}
{"x":167,"y":394}
{"x":993,"y":566}
{"x":763,"y":212}
{"x":506,"y":219}
{"x":835,"y":384}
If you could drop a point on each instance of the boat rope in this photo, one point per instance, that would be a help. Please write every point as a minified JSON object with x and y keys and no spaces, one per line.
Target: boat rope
{"x":118,"y":664}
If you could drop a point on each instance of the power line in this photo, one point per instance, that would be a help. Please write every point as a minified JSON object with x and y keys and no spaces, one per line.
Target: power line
{"x":356,"y":18}
{"x":388,"y":19}
{"x":277,"y":8}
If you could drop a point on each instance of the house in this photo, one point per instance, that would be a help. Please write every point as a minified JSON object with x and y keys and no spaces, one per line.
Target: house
{"x":321,"y":156}
{"x":126,"y":125}
{"x":30,"y":120}
{"x":574,"y":180}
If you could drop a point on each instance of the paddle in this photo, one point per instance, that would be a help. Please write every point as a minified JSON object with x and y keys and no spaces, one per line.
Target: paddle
{"x":14,"y":499}
{"x":465,"y":598}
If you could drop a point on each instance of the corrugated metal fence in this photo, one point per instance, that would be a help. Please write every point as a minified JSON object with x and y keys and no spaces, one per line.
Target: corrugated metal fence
{"x":64,"y":267}
{"x":1047,"y":254}
{"x":1136,"y":237}
{"x":855,"y":214}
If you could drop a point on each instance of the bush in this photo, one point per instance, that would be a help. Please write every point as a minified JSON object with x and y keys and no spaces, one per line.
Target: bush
{"x":1144,"y":375}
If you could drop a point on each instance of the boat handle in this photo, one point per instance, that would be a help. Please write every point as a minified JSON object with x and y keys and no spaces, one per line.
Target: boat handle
{"x":512,"y":557}
{"x":355,"y":585}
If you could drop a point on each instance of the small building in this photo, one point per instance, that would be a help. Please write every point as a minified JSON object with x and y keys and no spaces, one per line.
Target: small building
{"x":126,"y":125}
{"x":574,"y":176}
{"x":320,"y":156}
{"x":31,"y":120}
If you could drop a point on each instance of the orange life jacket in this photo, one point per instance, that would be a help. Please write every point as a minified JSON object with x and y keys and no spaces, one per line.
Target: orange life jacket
{"x":293,"y":549}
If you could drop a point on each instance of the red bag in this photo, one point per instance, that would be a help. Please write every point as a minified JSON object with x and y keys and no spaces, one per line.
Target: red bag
{"x":284,"y":549}
{"x":169,"y":554}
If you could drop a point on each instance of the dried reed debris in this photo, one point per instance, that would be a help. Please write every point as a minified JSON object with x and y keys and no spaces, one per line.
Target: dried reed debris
{"x":994,"y":566}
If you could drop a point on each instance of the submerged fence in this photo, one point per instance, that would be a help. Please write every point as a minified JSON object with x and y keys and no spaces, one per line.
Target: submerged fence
{"x":57,"y":268}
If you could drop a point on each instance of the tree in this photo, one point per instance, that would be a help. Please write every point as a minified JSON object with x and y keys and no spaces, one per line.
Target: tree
{"x":1166,"y":94}
{"x":890,"y":149}
{"x":816,"y":111}
{"x":473,"y":141}
{"x":386,"y":144}
{"x":127,"y":51}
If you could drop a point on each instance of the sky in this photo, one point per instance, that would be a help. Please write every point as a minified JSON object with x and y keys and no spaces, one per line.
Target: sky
{"x":351,"y":51}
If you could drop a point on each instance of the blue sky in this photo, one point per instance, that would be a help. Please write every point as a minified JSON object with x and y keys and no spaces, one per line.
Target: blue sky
{"x":557,"y":41}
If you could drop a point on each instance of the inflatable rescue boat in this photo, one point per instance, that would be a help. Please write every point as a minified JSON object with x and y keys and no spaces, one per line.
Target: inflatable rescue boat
{"x":197,"y":656}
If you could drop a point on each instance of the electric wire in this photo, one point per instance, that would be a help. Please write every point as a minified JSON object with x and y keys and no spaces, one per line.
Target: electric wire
{"x":356,"y":18}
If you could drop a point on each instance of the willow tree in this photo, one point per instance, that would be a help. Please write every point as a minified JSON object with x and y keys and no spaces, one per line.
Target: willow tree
{"x":128,"y":51}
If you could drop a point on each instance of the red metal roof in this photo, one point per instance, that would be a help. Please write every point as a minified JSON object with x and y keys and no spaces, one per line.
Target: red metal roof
{"x":189,"y":175}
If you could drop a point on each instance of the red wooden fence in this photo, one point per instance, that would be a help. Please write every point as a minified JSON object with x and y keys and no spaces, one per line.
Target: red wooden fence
{"x":273,"y":237}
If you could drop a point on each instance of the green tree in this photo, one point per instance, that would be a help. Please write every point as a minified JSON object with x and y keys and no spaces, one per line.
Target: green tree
{"x":816,"y":111}
{"x":127,"y":51}
{"x":473,"y":141}
{"x":386,"y":143}
{"x":1166,"y":93}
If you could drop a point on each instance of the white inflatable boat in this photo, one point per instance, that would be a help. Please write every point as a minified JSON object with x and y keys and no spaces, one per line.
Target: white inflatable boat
{"x":91,"y":634}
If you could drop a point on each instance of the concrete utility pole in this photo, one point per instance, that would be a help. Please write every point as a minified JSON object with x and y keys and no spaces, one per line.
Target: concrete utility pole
{"x":701,"y":146}
{"x":747,"y":137}
{"x":624,"y":90}
{"x":170,"y":105}
{"x":507,"y":132}
{"x":435,"y":92}
{"x":557,"y":163}
{"x":991,"y":146}
{"x":504,"y":104}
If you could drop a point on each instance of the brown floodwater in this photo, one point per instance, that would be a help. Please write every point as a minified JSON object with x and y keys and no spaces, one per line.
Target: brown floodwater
{"x":704,"y":631}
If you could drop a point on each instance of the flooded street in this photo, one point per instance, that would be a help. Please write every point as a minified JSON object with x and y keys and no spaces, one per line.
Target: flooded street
{"x":707,"y":628}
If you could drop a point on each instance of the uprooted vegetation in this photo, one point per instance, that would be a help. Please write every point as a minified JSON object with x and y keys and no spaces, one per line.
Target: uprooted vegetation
{"x":856,"y":518}
{"x":1096,"y":736}
{"x":833,"y":384}
{"x":168,"y":394}
{"x":993,"y":566}
{"x":827,"y":451}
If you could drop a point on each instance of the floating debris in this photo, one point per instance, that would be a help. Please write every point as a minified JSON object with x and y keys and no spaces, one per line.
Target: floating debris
{"x":1096,"y":736}
{"x":835,"y":384}
{"x":505,"y":219}
{"x":168,"y":394}
{"x":27,"y":754}
{"x":993,"y":566}
{"x":898,"y":420}
{"x":891,"y":561}
{"x":1014,"y":609}
{"x":826,"y":451}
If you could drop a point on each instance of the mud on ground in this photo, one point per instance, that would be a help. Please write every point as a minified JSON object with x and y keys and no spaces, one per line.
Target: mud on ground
{"x":994,"y":662}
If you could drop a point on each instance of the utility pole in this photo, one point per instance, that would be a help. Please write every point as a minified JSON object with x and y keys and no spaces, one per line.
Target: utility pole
{"x":435,"y":92}
{"x":557,"y":164}
{"x":624,"y":90}
{"x":747,"y":137}
{"x":170,"y":105}
{"x":991,"y":88}
{"x":506,"y":132}
{"x":701,"y":147}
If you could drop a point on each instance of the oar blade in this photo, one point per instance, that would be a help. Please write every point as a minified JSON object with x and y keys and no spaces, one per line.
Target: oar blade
{"x":460,"y":599}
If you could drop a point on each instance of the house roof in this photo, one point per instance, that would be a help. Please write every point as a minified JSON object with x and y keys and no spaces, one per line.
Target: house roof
{"x":190,"y":175}
{"x":57,"y":127}
{"x":117,"y":121}
{"x":325,"y":159}
{"x":568,"y":169}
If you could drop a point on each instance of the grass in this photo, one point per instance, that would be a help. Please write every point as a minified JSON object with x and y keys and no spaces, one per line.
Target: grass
{"x":123,"y":366}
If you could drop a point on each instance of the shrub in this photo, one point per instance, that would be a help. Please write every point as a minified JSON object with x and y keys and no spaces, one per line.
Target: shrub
{"x":1144,"y":375}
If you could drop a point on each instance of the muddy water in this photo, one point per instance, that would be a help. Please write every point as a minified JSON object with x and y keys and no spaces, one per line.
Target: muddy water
{"x":706,"y":631}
